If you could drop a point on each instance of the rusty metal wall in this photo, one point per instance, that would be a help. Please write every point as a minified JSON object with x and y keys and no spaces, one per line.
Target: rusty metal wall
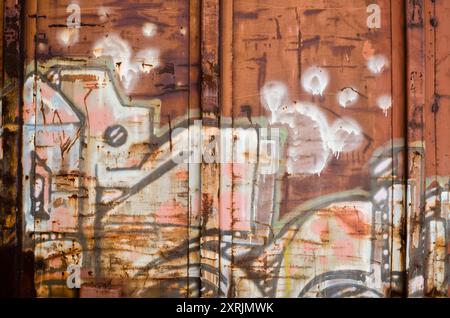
{"x":429,"y":149}
{"x":320,"y":170}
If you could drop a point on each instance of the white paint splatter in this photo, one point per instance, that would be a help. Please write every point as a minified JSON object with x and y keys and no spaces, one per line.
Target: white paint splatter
{"x":374,"y":20}
{"x":74,"y":18}
{"x":127,"y":66}
{"x":344,"y":135}
{"x":42,"y":47}
{"x":274,"y":96}
{"x":347,"y":97}
{"x":149,"y":59}
{"x":315,"y":80}
{"x":377,"y":63}
{"x":385,"y":103}
{"x":308,"y":152}
{"x":149,"y":29}
{"x":68,"y":37}
{"x":103,"y":14}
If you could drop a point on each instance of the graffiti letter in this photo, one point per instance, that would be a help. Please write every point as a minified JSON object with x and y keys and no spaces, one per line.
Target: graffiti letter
{"x":74,"y":19}
{"x":374,"y":19}
{"x":74,"y":279}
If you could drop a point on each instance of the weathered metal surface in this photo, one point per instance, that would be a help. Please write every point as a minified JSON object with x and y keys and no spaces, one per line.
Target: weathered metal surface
{"x":106,"y":85}
{"x":211,"y":148}
{"x":429,"y":149}
{"x":334,"y":205}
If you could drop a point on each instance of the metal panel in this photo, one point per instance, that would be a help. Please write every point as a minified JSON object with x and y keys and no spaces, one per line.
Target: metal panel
{"x":428,"y":180}
{"x":211,"y":148}
{"x":323,"y":75}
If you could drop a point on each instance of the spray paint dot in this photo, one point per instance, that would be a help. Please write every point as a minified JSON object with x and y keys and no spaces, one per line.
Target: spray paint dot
{"x":315,"y":80}
{"x":385,"y":103}
{"x":103,"y":14}
{"x":149,"y":29}
{"x":273,"y":96}
{"x":347,"y":97}
{"x":377,"y":63}
{"x":68,"y":37}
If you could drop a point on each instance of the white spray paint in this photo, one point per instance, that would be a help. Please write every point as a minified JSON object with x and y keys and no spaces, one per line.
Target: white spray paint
{"x":344,"y":135}
{"x":382,"y":166}
{"x":148,"y":59}
{"x":149,"y":29}
{"x":103,"y":14}
{"x":315,"y":80}
{"x":311,"y":139}
{"x":347,"y":97}
{"x":385,"y":103}
{"x":377,"y":63}
{"x":308,"y":152}
{"x":68,"y":37}
{"x":274,"y":96}
{"x":126,"y":65}
{"x":74,"y":18}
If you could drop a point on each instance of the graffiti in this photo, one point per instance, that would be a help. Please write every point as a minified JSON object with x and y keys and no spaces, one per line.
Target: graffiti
{"x":377,"y":63}
{"x":312,"y":140}
{"x":74,"y":19}
{"x":385,"y":103}
{"x":120,"y":178}
{"x":71,"y":35}
{"x":294,"y":181}
{"x":315,"y":80}
{"x":347,"y":97}
{"x":127,"y":65}
{"x":74,"y":280}
{"x":118,"y":156}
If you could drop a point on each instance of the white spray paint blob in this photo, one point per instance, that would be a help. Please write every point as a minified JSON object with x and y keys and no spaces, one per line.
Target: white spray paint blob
{"x":149,"y":59}
{"x":377,"y":63}
{"x":68,"y":36}
{"x":149,"y":29}
{"x":381,"y":195}
{"x":347,"y":97}
{"x":274,"y":95}
{"x":311,"y":140}
{"x":315,"y":80}
{"x":127,"y":66}
{"x":103,"y":14}
{"x":385,"y":103}
{"x":308,"y":152}
{"x":344,"y":135}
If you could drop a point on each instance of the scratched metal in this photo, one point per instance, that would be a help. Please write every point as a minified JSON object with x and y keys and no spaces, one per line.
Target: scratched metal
{"x":313,"y":184}
{"x":428,"y":167}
